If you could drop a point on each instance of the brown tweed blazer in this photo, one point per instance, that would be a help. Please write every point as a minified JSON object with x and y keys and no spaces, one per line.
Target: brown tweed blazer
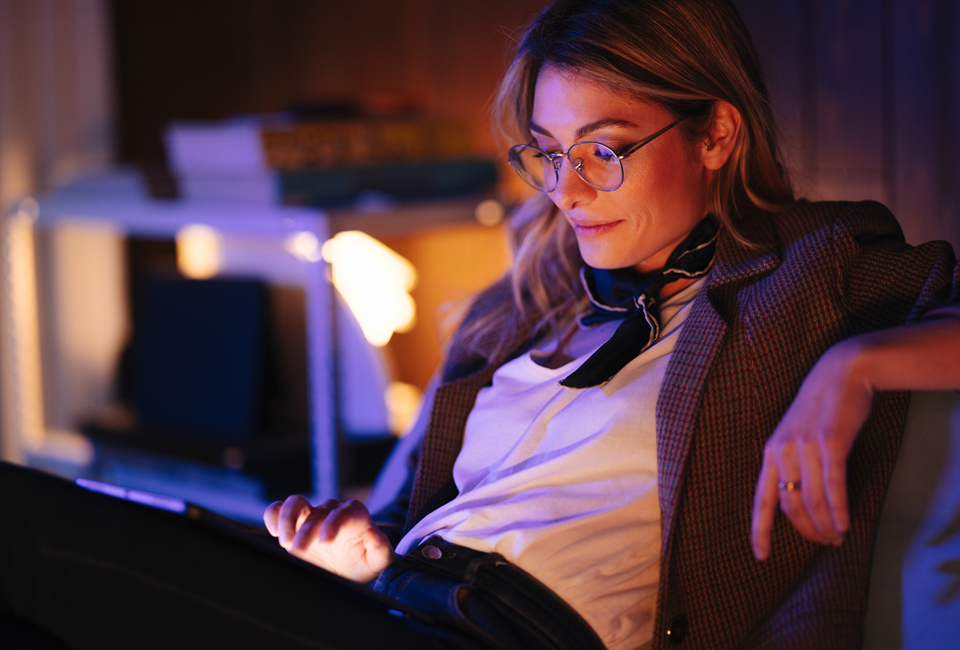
{"x":823,"y":272}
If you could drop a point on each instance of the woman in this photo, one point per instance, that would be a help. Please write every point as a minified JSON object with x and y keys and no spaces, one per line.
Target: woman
{"x":773,"y":360}
{"x":679,"y":349}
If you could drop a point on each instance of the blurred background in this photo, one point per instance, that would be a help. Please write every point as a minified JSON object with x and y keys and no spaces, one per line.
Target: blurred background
{"x":182,"y":179}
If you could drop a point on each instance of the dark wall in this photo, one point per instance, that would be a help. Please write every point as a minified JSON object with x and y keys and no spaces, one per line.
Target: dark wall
{"x":183,"y":59}
{"x":868,"y":94}
{"x":867,"y":89}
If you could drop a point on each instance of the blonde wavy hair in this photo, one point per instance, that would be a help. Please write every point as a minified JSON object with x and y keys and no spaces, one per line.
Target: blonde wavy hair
{"x":680,"y":55}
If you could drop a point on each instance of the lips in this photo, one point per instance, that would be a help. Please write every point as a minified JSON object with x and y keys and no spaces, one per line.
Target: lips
{"x":587,"y":229}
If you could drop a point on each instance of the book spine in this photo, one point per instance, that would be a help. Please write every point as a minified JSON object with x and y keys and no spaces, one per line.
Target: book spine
{"x":329,"y":144}
{"x":410,"y":180}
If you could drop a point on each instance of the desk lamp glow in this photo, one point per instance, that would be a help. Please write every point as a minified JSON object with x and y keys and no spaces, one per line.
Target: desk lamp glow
{"x":375,"y":282}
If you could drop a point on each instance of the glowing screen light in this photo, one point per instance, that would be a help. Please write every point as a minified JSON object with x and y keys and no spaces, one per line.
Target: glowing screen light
{"x":375,"y":282}
{"x":199,"y":250}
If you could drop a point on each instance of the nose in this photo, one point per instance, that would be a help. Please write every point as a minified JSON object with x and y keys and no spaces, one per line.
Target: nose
{"x":571,"y":190}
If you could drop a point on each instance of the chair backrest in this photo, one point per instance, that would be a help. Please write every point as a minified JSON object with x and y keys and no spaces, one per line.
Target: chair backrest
{"x":914,"y":597}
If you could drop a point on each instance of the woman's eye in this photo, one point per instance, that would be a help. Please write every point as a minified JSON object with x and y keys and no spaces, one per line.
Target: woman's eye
{"x":603,"y":154}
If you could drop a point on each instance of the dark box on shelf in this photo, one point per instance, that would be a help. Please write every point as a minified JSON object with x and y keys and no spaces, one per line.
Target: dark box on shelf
{"x":199,"y":356}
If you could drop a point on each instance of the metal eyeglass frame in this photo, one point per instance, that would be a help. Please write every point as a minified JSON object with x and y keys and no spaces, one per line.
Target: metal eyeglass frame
{"x":557,"y":159}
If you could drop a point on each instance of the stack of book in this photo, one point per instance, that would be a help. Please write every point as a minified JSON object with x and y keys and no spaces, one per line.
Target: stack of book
{"x":284,"y":161}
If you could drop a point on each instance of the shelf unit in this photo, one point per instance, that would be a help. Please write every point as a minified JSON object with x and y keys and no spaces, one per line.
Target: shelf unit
{"x":87,"y":323}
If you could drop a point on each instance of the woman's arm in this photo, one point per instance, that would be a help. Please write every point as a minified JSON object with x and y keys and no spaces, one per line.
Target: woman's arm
{"x":811,"y":444}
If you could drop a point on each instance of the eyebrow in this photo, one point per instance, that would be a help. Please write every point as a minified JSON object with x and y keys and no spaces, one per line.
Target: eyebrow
{"x":589,"y":128}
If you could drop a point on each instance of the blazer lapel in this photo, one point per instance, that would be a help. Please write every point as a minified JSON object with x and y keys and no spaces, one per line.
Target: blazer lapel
{"x":679,"y":396}
{"x":701,"y":337}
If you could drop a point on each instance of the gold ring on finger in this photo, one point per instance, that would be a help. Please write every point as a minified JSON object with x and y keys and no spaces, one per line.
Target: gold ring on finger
{"x":789,"y":486}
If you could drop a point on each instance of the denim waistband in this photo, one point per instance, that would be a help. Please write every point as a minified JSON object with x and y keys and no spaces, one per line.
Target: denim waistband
{"x":502,"y":605}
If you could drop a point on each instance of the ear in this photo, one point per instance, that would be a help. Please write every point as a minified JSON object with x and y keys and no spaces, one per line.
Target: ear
{"x":724,"y":132}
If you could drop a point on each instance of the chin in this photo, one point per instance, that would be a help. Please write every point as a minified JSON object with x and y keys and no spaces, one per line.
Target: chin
{"x":605,"y":259}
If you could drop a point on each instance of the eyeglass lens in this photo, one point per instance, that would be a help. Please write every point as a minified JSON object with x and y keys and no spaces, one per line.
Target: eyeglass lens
{"x":595,"y":163}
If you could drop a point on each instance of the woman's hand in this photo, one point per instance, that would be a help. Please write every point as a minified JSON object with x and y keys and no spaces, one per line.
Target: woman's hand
{"x":338,"y":537}
{"x":809,"y":448}
{"x":805,"y":460}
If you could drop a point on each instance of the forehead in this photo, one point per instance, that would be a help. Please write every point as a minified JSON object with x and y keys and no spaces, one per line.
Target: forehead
{"x":565,"y":99}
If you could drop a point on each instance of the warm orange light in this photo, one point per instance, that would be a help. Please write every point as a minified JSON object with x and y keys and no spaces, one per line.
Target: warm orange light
{"x":403,"y":402}
{"x":199,"y":251}
{"x":375,"y":283}
{"x":489,"y":212}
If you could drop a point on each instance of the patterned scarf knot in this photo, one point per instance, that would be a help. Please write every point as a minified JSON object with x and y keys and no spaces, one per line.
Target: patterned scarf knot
{"x":624,"y":293}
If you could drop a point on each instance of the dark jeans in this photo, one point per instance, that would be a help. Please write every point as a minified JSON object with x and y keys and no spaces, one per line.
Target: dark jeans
{"x":99,"y":572}
{"x":499,"y":602}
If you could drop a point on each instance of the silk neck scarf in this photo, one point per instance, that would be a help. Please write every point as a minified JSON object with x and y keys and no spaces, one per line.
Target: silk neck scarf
{"x":624,"y":293}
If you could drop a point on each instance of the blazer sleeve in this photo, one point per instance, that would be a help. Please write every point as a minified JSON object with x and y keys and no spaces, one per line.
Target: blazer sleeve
{"x":885,"y":282}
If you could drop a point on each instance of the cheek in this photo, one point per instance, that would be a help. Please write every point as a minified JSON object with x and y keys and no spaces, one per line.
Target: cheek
{"x":670,"y":175}
{"x":673,"y":185}
{"x":647,"y":196}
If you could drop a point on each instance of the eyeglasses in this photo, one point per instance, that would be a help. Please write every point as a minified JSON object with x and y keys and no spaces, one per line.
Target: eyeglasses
{"x":597,"y":164}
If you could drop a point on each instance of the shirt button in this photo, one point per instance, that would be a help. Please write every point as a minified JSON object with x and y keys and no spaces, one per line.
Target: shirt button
{"x":677,"y":630}
{"x":431,"y":552}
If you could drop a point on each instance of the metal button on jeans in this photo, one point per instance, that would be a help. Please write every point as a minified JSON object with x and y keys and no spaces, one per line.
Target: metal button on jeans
{"x":431,"y":552}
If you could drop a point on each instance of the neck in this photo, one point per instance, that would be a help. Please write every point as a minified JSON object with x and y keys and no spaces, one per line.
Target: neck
{"x":674,"y":288}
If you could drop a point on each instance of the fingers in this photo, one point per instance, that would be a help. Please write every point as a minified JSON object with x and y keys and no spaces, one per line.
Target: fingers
{"x":330,"y":519}
{"x":791,"y":501}
{"x":298,"y":524}
{"x":813,"y":496}
{"x":765,"y":503}
{"x":270,"y":517}
{"x":835,"y":468}
{"x":307,"y":532}
{"x":378,"y":549}
{"x":817,"y":509}
{"x":348,"y":513}
{"x":293,"y":512}
{"x":810,"y":446}
{"x":338,"y":537}
{"x":343,"y":538}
